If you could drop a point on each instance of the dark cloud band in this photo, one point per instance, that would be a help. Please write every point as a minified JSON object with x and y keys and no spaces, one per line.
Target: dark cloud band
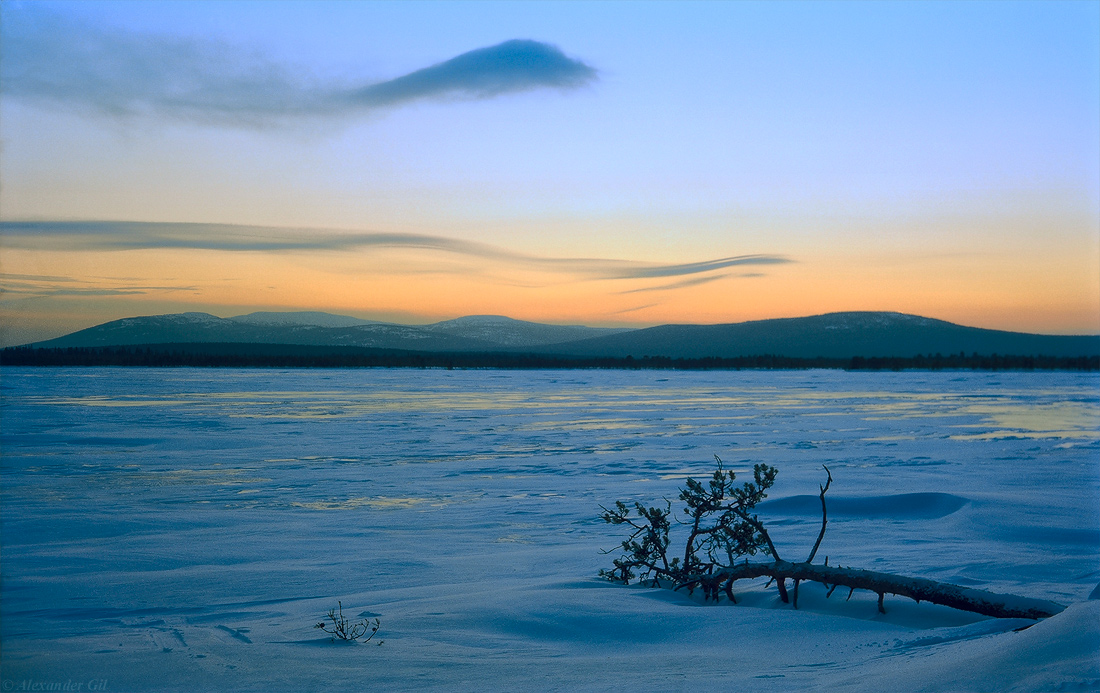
{"x":117,"y":235}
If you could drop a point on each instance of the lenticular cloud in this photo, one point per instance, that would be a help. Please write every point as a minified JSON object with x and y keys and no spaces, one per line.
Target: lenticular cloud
{"x":50,"y":59}
{"x":483,"y":73}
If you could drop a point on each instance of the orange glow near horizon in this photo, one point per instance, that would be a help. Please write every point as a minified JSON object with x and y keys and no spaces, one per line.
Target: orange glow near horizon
{"x":1011,"y":292}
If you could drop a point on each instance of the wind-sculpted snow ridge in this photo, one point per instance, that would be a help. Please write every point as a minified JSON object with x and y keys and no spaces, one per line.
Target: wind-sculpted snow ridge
{"x":1056,"y":654}
{"x":899,"y":506}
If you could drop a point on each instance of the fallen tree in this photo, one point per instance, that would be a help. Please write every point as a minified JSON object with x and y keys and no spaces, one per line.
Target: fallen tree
{"x":722,"y":530}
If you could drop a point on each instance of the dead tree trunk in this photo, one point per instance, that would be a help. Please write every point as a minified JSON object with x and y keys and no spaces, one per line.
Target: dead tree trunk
{"x":919,"y":589}
{"x":733,"y":529}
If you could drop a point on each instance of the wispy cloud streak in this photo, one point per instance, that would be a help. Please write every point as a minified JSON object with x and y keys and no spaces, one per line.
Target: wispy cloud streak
{"x":39,"y":286}
{"x":116,"y":236}
{"x":682,"y":284}
{"x":49,"y":58}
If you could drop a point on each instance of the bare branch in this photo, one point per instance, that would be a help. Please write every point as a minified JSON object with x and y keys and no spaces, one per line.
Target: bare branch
{"x":346,"y":630}
{"x":824,"y":520}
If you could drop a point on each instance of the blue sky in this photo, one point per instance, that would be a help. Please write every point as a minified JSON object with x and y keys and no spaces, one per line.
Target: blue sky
{"x":933,"y":158}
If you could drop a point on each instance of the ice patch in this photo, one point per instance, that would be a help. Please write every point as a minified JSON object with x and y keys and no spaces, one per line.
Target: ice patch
{"x":379,"y":503}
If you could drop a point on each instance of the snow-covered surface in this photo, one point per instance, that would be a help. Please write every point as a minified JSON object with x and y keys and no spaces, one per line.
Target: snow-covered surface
{"x":184,"y":529}
{"x":862,"y":319}
{"x":305,"y":317}
{"x":502,"y":331}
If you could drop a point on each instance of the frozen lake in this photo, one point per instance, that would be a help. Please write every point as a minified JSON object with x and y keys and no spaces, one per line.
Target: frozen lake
{"x":183,"y":529}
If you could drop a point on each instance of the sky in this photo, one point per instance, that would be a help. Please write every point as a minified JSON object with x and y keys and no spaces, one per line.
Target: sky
{"x":609,"y":164}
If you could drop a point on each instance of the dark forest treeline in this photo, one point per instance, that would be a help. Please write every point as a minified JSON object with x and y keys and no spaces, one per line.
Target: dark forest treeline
{"x":236,"y":355}
{"x":295,"y":356}
{"x":977,"y":362}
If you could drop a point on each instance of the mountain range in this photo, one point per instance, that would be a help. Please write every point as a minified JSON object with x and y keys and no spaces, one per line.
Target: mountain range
{"x":833,"y":335}
{"x":471,"y":333}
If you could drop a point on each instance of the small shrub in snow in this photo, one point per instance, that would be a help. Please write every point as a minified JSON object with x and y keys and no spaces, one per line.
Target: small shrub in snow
{"x":346,"y":630}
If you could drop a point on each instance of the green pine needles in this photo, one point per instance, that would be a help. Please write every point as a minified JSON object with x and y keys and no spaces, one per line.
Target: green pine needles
{"x":717,"y":517}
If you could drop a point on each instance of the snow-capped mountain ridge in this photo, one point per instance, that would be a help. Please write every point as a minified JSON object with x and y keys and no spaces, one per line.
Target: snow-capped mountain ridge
{"x":471,"y":333}
{"x":833,"y":335}
{"x":305,"y":317}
